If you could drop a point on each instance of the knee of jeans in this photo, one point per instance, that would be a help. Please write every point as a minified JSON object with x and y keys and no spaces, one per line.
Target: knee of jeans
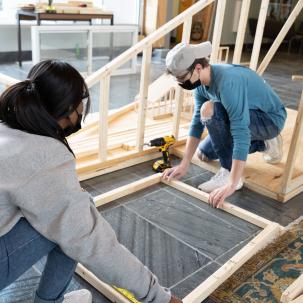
{"x":207,"y":111}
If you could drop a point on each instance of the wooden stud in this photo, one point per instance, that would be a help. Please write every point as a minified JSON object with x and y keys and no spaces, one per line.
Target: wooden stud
{"x":179,"y":91}
{"x":241,"y":31}
{"x":108,"y":291}
{"x":217,"y":30}
{"x":297,"y":78}
{"x":293,"y":149}
{"x":144,"y":82}
{"x":266,"y":236}
{"x":293,"y":290}
{"x":128,"y":189}
{"x":103,"y":118}
{"x":284,"y":30}
{"x":259,"y":34}
{"x":298,"y":300}
{"x":228,"y":207}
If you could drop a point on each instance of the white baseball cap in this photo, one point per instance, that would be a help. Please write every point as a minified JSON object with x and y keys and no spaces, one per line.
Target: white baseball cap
{"x":183,"y":55}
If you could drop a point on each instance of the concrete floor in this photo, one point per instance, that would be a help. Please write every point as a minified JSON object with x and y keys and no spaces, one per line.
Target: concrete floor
{"x":180,"y":239}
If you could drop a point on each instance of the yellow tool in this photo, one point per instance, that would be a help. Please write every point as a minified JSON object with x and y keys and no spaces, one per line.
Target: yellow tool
{"x":163,"y":143}
{"x":127,"y":294}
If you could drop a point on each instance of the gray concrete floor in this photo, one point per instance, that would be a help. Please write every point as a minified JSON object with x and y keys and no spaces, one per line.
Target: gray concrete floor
{"x":180,"y":239}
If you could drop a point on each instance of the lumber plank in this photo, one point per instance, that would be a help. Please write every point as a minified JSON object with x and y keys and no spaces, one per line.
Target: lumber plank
{"x":228,"y":207}
{"x":293,"y":290}
{"x":105,"y":289}
{"x":127,"y":189}
{"x":241,"y":31}
{"x":259,"y":34}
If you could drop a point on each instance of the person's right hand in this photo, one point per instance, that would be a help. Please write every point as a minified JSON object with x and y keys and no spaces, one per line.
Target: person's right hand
{"x":176,"y":172}
{"x":175,"y":300}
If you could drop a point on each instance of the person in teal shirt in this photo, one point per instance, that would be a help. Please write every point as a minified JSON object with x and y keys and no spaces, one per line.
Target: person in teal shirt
{"x":241,"y":112}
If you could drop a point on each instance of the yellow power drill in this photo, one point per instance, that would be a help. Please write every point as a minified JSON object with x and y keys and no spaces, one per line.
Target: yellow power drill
{"x":163,"y":143}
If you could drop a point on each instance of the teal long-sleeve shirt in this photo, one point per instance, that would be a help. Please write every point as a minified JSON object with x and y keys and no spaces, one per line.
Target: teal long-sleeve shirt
{"x":238,"y":89}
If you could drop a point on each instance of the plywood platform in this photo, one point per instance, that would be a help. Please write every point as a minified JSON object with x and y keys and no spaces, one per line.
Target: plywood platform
{"x":122,"y":132}
{"x":263,"y":177}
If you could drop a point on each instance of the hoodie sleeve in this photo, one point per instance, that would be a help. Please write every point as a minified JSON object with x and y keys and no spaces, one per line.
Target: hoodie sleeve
{"x":54,"y":204}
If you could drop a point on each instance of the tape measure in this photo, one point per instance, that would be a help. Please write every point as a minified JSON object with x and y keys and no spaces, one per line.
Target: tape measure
{"x":127,"y":294}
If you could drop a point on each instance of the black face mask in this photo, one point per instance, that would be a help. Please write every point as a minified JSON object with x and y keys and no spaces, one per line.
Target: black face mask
{"x":189,"y":86}
{"x":73,"y":129}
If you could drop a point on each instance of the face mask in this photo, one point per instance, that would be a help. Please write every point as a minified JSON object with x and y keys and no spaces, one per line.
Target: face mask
{"x":189,"y":86}
{"x":73,"y":129}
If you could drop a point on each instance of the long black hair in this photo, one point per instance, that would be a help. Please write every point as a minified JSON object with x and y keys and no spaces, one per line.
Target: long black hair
{"x":53,"y":90}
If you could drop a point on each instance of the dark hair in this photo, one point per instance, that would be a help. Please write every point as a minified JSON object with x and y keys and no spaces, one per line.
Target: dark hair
{"x":53,"y":90}
{"x":203,"y":61}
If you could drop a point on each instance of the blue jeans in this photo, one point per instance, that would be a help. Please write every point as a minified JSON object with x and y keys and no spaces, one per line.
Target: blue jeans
{"x":21,"y":248}
{"x":219,"y":142}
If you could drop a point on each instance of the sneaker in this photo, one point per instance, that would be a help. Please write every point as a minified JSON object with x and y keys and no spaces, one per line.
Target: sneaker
{"x":220,"y":179}
{"x":78,"y":296}
{"x":273,"y":152}
{"x":201,"y":156}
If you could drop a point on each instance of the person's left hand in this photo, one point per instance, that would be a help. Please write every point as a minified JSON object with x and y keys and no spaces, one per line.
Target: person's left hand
{"x":217,"y":197}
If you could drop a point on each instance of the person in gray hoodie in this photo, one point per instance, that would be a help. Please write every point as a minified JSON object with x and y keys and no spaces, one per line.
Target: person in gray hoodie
{"x":43,"y":209}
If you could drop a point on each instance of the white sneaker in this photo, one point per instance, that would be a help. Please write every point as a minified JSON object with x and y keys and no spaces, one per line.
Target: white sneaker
{"x":274,"y":150}
{"x":220,"y":179}
{"x":78,"y":296}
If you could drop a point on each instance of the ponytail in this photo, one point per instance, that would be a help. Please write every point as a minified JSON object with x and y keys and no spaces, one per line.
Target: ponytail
{"x":21,"y":108}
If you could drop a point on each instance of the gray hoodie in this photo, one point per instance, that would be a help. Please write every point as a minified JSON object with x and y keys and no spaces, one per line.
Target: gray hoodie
{"x":38,"y":181}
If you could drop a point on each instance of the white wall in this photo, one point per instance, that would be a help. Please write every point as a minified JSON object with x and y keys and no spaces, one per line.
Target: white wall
{"x":125,"y":11}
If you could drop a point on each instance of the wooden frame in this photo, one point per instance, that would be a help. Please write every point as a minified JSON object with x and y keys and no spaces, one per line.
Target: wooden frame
{"x":294,"y":292}
{"x":270,"y":231}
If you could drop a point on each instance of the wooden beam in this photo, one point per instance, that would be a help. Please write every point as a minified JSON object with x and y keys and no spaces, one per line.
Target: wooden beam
{"x":293,"y":148}
{"x":297,"y":78}
{"x":259,"y":34}
{"x":298,"y":300}
{"x":179,"y":91}
{"x":105,"y":289}
{"x":217,"y":30}
{"x":103,"y":117}
{"x":241,"y":31}
{"x":128,"y":189}
{"x":177,"y":111}
{"x":266,"y":236}
{"x":293,"y":290}
{"x":284,"y":30}
{"x":144,"y":82}
{"x":228,"y":207}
